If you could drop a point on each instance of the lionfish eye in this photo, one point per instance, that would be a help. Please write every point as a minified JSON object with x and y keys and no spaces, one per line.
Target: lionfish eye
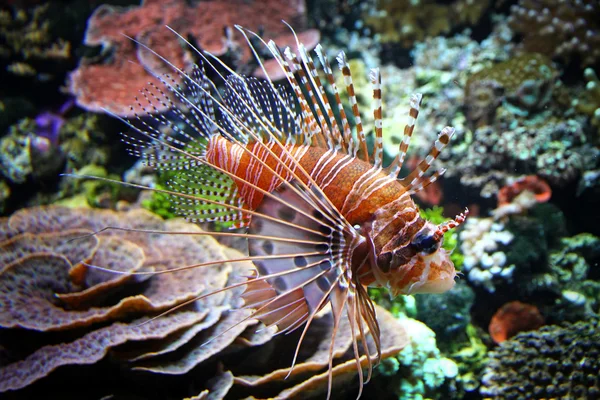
{"x":425,"y":241}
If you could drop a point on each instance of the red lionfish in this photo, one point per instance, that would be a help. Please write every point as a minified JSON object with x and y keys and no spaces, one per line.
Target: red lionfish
{"x":323,"y":217}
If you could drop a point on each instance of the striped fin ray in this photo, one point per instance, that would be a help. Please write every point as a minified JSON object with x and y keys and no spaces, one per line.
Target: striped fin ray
{"x":323,"y":133}
{"x":415,"y":181}
{"x":345,"y":68}
{"x":346,"y":132}
{"x":205,"y":183}
{"x":375,"y":77}
{"x":396,"y":165}
{"x":334,"y":135}
{"x":241,"y":130}
{"x":258,"y":94}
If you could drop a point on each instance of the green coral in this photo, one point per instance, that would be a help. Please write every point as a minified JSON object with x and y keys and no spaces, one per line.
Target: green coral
{"x":93,"y":192}
{"x":575,"y":265}
{"x":83,"y":140}
{"x":419,"y":370}
{"x":471,"y":359}
{"x":159,"y":203}
{"x":589,"y":102}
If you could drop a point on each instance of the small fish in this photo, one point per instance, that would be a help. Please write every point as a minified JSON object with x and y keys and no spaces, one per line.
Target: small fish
{"x":322,"y":216}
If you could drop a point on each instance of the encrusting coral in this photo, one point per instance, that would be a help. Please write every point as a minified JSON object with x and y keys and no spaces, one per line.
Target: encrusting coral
{"x":406,"y":22}
{"x":553,"y":362}
{"x":524,"y":84}
{"x":60,"y":312}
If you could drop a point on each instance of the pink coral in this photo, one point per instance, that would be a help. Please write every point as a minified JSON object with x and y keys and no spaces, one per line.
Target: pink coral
{"x":112,"y":83}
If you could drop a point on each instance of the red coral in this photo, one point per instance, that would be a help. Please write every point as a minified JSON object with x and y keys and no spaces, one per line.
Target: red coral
{"x":531,"y":183}
{"x":512,"y":318}
{"x":112,"y":84}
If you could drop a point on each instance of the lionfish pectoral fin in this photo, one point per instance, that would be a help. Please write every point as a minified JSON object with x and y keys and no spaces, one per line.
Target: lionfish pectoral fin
{"x":212,"y":196}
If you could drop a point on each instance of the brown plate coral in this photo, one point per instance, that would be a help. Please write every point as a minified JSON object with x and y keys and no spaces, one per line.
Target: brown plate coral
{"x":73,"y":331}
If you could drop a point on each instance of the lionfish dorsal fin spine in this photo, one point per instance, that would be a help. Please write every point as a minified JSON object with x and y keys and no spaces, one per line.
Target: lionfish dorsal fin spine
{"x":415,"y":103}
{"x":415,"y":178}
{"x":375,"y":77}
{"x":317,"y":123}
{"x":333,"y":133}
{"x":363,"y":151}
{"x":345,"y":132}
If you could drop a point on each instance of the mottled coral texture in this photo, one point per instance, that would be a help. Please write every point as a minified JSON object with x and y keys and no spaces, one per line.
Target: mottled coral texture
{"x":69,"y":329}
{"x":559,"y":362}
{"x":561,"y":29}
{"x":112,"y":81}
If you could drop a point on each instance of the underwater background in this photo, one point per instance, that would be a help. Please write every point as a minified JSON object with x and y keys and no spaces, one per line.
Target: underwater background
{"x":517,"y":79}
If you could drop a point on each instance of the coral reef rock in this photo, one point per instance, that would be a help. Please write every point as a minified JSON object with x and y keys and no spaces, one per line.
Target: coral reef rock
{"x":559,"y":362}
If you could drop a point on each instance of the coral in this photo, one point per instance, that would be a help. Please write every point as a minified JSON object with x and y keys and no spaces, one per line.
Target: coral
{"x":512,"y":318}
{"x":60,"y":312}
{"x":419,"y":370}
{"x":531,"y":183}
{"x":27,"y":44}
{"x":589,"y":102}
{"x":112,"y":82}
{"x":447,"y":314}
{"x":521,"y":195}
{"x":406,"y":22}
{"x":561,"y":29}
{"x":25,"y":155}
{"x":574,"y":264}
{"x":394,"y":339}
{"x":553,"y":362}
{"x":489,"y":157}
{"x":484,"y":243}
{"x":471,"y":359}
{"x":524,"y":84}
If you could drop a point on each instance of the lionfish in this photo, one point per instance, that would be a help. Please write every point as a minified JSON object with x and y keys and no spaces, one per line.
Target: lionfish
{"x":322,"y":216}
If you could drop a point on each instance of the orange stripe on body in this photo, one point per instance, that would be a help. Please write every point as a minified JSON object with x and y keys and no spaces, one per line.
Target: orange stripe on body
{"x":243,"y":165}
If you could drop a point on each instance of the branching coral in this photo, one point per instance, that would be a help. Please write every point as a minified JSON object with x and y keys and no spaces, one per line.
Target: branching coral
{"x":559,"y":28}
{"x":419,"y":370}
{"x":553,"y":362}
{"x":111,"y":83}
{"x":72,"y":314}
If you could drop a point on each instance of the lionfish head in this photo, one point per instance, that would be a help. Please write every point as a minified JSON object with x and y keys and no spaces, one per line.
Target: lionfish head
{"x":419,"y":265}
{"x":431,"y":268}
